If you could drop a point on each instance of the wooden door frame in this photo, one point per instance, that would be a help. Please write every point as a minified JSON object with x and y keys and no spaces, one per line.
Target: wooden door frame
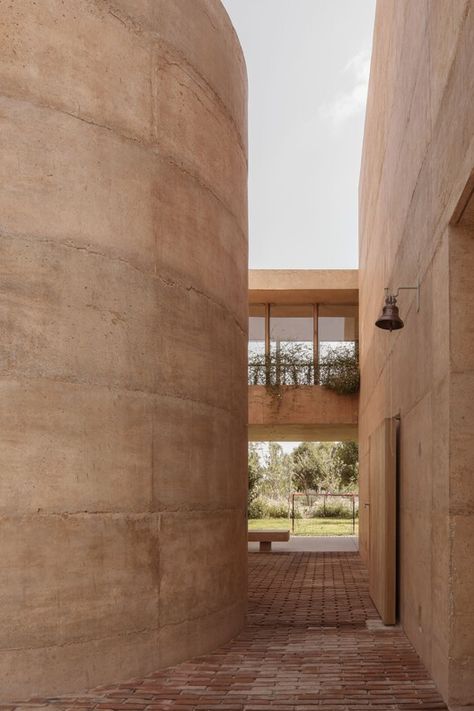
{"x":383,"y":519}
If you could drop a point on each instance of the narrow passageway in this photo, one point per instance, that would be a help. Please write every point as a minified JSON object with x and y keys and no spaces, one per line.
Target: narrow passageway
{"x":313,"y":641}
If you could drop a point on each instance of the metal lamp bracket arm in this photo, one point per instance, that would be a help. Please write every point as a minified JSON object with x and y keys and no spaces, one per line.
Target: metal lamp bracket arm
{"x":400,"y":288}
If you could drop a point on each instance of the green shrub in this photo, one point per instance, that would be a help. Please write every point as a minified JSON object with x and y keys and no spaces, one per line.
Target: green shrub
{"x":256,"y":509}
{"x":276,"y":511}
{"x":333,"y":510}
{"x":298,"y":514}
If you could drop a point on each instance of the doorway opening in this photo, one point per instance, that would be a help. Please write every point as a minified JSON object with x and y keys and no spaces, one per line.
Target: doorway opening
{"x":310,"y":489}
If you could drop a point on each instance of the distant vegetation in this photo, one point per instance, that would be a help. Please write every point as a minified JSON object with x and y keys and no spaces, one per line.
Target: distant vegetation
{"x":313,"y":468}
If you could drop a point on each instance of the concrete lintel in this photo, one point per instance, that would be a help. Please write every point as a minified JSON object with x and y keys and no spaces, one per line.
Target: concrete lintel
{"x":335,"y":286}
{"x":302,"y":433}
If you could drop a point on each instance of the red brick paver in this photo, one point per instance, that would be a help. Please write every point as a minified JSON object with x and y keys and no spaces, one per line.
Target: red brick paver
{"x":307,"y":646}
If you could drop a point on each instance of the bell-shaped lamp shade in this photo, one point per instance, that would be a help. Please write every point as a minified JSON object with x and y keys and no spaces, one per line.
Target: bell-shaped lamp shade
{"x":390,"y":319}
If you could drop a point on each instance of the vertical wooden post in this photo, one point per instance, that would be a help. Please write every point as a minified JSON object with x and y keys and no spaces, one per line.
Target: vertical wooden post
{"x":315,"y":343}
{"x":267,"y":331}
{"x":267,"y":344}
{"x":383,"y":506}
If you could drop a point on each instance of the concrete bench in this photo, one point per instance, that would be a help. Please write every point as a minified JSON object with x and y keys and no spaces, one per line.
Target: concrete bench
{"x":266,"y":536}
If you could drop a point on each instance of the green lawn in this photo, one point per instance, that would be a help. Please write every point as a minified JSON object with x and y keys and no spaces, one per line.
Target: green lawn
{"x":308,"y":526}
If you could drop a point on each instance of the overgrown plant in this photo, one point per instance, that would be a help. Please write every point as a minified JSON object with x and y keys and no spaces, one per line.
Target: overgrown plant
{"x":339,"y":369}
{"x":293,"y":366}
{"x":288,"y":365}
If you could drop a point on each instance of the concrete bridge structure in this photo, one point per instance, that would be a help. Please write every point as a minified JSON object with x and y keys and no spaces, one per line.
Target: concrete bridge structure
{"x":304,"y":307}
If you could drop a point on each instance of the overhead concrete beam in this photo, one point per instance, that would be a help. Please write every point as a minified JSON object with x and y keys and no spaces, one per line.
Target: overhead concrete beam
{"x":299,"y":286}
{"x":309,"y":412}
{"x":303,"y":433}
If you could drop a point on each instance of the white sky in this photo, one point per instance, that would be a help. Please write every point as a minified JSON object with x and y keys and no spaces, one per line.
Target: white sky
{"x":288,"y":447}
{"x":308,"y":67}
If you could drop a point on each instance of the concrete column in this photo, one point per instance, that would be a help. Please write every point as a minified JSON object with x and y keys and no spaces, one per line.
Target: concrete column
{"x":123,"y":238}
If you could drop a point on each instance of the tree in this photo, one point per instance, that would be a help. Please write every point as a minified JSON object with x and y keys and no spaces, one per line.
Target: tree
{"x":276,"y":475}
{"x":345,"y":463}
{"x":309,"y":473}
{"x":255,"y":472}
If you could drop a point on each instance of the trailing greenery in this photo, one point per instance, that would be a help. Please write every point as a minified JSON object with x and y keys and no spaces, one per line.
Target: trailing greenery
{"x":290,"y":365}
{"x":339,"y":369}
{"x":293,"y":366}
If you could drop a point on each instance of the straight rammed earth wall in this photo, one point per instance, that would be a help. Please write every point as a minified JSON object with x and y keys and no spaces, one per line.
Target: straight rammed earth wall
{"x":415,"y":223}
{"x":123,"y":301}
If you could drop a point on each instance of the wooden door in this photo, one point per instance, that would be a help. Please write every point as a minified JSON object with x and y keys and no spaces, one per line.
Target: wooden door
{"x":383,"y":510}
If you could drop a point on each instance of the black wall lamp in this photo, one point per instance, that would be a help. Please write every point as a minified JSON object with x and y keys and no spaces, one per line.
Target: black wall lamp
{"x":389,"y":319}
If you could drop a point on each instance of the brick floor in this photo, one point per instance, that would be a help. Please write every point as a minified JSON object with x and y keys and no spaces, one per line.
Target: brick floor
{"x":312,"y":642}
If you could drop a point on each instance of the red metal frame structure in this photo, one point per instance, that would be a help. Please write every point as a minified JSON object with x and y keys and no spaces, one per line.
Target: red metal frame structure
{"x":323,"y":496}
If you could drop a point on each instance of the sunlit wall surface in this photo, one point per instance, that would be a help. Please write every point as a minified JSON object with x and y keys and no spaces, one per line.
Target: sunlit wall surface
{"x":124,"y":409}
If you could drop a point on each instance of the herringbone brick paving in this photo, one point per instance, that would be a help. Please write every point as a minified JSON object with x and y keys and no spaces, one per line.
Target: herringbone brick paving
{"x":307,"y":647}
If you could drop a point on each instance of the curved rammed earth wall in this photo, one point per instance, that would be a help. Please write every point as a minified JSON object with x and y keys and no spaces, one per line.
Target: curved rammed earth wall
{"x":123,"y":237}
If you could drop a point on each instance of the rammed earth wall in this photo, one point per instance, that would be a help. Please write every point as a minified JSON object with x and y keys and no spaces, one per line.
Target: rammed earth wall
{"x":123,"y":300}
{"x":417,"y":222}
